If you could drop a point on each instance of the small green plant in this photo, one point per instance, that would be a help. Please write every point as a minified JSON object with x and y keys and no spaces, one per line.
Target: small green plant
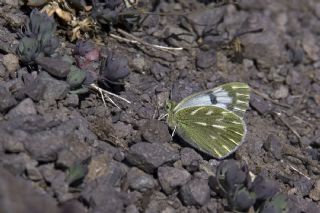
{"x":37,"y":37}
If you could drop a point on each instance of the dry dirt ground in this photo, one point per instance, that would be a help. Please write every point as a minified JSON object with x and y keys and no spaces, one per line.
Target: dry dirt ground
{"x":62,"y":151}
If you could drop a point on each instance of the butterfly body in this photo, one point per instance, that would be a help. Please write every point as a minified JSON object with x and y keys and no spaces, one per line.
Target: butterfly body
{"x":212,"y":120}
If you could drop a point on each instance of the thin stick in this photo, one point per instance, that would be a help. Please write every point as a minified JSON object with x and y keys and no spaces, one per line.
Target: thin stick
{"x":301,"y":173}
{"x":265,"y":96}
{"x":105,"y":93}
{"x":279,"y":115}
{"x":137,"y":40}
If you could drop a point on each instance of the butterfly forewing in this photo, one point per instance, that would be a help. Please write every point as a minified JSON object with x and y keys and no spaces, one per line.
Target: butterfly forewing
{"x":213,"y":130}
{"x":232,"y":96}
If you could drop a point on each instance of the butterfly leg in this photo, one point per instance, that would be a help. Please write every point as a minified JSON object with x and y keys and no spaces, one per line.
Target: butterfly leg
{"x":173,"y":132}
{"x":162,"y":116}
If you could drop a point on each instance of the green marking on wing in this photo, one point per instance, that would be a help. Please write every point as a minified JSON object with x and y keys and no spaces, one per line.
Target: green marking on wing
{"x":240,"y":93}
{"x":218,"y":133}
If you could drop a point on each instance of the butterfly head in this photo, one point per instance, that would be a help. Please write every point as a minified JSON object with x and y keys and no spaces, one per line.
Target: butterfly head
{"x":170,"y":105}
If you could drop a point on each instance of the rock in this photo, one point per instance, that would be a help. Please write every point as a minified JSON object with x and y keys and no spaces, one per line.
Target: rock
{"x":13,"y":142}
{"x":259,"y":104}
{"x":56,"y":67}
{"x":273,"y":145}
{"x":7,"y":101}
{"x":14,"y":3}
{"x":195,"y":193}
{"x":264,"y":188}
{"x":115,"y":68}
{"x":48,"y":172}
{"x":155,"y":131}
{"x":148,"y":156}
{"x":266,"y":48}
{"x":15,"y":164}
{"x":303,"y":185}
{"x":138,"y":180}
{"x":159,"y":71}
{"x":190,"y":159}
{"x":66,"y":158}
{"x":55,"y":89}
{"x":11,"y":62}
{"x":315,"y":192}
{"x":171,"y":178}
{"x":32,"y":171}
{"x":282,"y":92}
{"x":60,"y":187}
{"x":44,"y":146}
{"x":309,"y":44}
{"x":25,"y":107}
{"x":105,"y":170}
{"x":104,"y":199}
{"x":29,"y":123}
{"x":35,"y":89}
{"x":73,"y":206}
{"x":132,"y":209}
{"x":72,"y":100}
{"x":19,"y":196}
{"x":206,"y":59}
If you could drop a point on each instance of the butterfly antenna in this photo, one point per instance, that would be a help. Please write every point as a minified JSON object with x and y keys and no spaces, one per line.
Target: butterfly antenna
{"x":162,"y":116}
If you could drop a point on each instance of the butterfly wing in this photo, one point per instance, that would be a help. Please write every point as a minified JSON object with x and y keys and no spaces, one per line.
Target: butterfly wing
{"x":213,"y":130}
{"x":232,"y":96}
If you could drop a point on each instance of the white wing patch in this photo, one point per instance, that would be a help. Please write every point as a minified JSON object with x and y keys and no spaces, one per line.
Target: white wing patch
{"x":201,"y":123}
{"x":225,"y":100}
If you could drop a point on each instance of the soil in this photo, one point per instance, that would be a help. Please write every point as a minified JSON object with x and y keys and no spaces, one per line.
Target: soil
{"x":125,"y":158}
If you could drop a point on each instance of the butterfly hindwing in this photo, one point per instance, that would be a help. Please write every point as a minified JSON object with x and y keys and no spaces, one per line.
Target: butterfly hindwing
{"x":232,"y":96}
{"x":213,"y":130}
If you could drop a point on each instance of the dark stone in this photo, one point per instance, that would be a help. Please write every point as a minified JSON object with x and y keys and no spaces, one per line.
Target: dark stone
{"x":115,"y":68}
{"x":132,"y":209}
{"x":25,"y":107}
{"x":155,"y":131}
{"x":148,"y":156}
{"x":242,"y":200}
{"x":55,"y":89}
{"x":56,"y":67}
{"x":195,"y":193}
{"x":29,"y":123}
{"x":159,"y":71}
{"x":304,"y":185}
{"x":190,"y":159}
{"x":264,"y":188}
{"x":104,"y":198}
{"x":138,"y":180}
{"x":48,"y":172}
{"x":7,"y":101}
{"x":73,"y":206}
{"x":19,"y":196}
{"x":35,"y":88}
{"x":60,"y":187}
{"x":171,"y":178}
{"x":259,"y":104}
{"x":15,"y":164}
{"x":13,"y":142}
{"x":273,"y":145}
{"x":44,"y":146}
{"x":72,"y":100}
{"x":206,"y":59}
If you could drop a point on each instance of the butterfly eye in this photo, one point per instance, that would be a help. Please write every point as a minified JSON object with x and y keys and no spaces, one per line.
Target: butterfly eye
{"x":168,"y":105}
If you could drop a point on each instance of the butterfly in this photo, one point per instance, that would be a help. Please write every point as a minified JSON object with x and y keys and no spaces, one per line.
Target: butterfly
{"x":212,"y":120}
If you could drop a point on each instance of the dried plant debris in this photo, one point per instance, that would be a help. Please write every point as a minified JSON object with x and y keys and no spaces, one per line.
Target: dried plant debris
{"x":38,"y":37}
{"x":233,"y":182}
